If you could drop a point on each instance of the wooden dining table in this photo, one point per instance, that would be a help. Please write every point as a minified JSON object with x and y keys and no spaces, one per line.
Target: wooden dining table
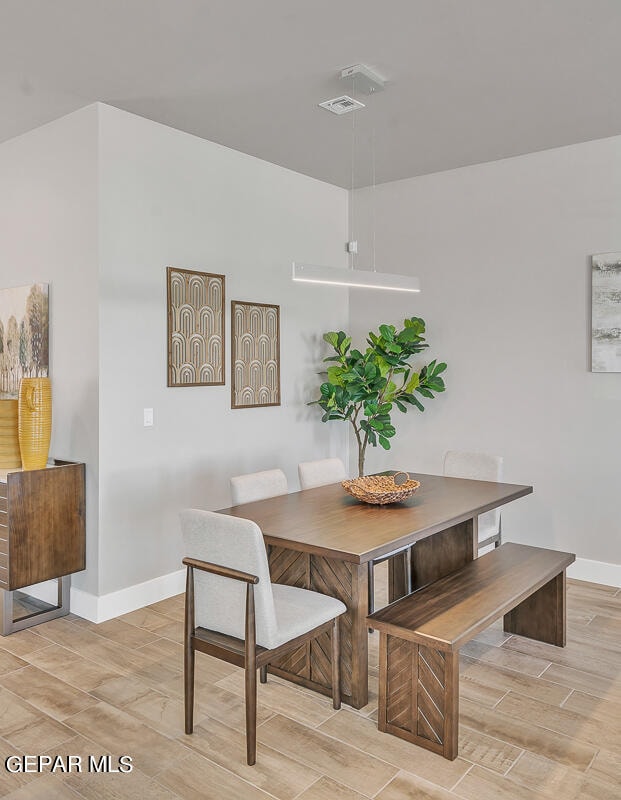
{"x":323,"y":539}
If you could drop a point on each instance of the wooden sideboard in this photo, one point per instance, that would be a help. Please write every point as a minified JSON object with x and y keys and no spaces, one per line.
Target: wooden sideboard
{"x":42,"y":533}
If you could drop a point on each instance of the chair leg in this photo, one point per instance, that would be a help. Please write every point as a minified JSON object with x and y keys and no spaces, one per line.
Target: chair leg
{"x":263,"y":673}
{"x":251,"y":715}
{"x":371,"y":585}
{"x":188,"y":678}
{"x":188,"y":652}
{"x":371,"y":588}
{"x":336,"y":665}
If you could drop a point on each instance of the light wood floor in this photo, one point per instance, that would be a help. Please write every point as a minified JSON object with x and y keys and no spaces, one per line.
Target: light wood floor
{"x":535,"y":721}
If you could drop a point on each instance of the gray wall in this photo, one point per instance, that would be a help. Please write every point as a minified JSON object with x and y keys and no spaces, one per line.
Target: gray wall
{"x":502,"y":250}
{"x":168,"y":198}
{"x":48,"y":234}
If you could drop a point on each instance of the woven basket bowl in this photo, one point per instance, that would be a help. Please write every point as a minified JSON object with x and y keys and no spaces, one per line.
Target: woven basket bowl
{"x":380,"y":489}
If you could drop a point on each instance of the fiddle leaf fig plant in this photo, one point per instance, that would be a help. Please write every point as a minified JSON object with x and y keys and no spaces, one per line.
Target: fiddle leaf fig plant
{"x":364,"y":388}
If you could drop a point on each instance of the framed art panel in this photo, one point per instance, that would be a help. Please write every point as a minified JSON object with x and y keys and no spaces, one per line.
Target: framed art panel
{"x":606,"y":312}
{"x":255,"y":354}
{"x":24,"y":336}
{"x":195,"y":328}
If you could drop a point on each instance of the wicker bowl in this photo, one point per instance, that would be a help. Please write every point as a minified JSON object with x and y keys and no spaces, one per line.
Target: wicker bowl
{"x":381,"y":489}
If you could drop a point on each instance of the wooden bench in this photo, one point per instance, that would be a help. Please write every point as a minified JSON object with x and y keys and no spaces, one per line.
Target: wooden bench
{"x":420,"y":635}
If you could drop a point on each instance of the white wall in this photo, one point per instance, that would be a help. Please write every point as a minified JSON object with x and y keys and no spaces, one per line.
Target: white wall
{"x":171,"y":199}
{"x":502,"y":250}
{"x":48,"y":234}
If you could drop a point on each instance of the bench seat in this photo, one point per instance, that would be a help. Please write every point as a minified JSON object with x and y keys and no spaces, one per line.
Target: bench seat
{"x":420,"y":635}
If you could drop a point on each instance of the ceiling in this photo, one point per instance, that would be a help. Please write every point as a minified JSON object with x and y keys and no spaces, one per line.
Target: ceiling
{"x":468,"y":80}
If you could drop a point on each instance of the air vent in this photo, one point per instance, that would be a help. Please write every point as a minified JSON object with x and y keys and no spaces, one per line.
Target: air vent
{"x":341,"y":105}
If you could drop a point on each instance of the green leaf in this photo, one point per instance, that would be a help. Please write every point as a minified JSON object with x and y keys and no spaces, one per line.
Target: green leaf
{"x":334,"y":375}
{"x":384,"y":442}
{"x":412,"y":383}
{"x":331,"y":338}
{"x":388,"y":332}
{"x":409,"y":335}
{"x":370,"y":408}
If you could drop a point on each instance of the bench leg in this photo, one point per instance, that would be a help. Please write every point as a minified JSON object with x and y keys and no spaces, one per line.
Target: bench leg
{"x":419,"y":694}
{"x":541,"y":616}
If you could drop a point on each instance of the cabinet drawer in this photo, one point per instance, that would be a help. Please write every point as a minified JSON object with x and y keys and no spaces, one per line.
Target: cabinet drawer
{"x":4,"y":542}
{"x":4,"y":519}
{"x":3,"y":492}
{"x":4,"y":561}
{"x":4,"y":504}
{"x":4,"y":577}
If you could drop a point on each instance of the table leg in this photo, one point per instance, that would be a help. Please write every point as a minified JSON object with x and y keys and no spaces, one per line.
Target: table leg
{"x":310,"y":664}
{"x":433,"y":557}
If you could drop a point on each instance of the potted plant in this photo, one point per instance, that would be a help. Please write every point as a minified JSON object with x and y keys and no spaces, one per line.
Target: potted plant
{"x":363,"y":388}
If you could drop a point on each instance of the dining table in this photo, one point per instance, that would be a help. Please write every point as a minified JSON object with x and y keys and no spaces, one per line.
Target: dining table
{"x":323,"y":539}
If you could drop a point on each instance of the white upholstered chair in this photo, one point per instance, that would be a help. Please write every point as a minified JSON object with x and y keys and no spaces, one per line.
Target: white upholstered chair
{"x":235,"y":613}
{"x":479,"y":467}
{"x":321,"y":472}
{"x":258,"y":486}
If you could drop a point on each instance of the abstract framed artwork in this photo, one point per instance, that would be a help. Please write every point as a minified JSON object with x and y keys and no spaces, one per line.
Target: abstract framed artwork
{"x":255,"y":354}
{"x":606,"y":312}
{"x":24,"y":336}
{"x":195,"y":328}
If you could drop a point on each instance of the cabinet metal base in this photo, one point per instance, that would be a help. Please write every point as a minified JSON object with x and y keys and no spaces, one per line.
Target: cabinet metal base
{"x":41,"y":611}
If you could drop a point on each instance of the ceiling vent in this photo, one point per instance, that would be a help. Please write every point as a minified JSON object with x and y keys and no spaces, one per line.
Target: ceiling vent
{"x":341,"y":105}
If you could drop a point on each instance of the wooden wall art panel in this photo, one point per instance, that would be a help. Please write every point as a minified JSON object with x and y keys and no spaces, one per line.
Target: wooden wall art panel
{"x":255,"y":355}
{"x":195,"y":328}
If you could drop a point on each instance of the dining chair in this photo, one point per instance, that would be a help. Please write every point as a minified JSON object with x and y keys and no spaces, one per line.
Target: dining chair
{"x":321,"y":472}
{"x":480,"y":467}
{"x":258,"y":486}
{"x":235,"y":613}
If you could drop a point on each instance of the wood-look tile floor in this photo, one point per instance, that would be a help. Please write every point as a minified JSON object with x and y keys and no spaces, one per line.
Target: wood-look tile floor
{"x":535,"y":721}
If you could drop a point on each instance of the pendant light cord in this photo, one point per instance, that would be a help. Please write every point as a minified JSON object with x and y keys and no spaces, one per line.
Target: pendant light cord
{"x":352,"y":237}
{"x":373,"y":203}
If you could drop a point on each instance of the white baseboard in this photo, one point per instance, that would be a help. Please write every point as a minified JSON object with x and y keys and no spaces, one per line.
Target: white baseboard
{"x":107,"y":606}
{"x":595,"y":572}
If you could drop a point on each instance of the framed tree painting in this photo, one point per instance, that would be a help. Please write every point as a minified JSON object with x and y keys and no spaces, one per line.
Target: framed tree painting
{"x":255,"y":354}
{"x":195,"y":328}
{"x":24,"y":336}
{"x":606,"y":312}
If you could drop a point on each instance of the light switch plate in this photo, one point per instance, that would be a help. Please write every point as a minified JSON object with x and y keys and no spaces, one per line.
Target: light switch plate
{"x":148,"y":417}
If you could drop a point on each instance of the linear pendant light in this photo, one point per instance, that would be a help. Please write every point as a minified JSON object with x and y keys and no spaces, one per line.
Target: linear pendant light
{"x":357,"y":278}
{"x":353,"y":277}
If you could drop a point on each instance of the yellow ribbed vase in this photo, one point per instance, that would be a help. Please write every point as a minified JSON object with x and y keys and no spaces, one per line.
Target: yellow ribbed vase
{"x":35,"y":421}
{"x":10,"y":456}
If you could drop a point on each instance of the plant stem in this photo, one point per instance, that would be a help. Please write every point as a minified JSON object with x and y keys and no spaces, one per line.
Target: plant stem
{"x":362,"y":447}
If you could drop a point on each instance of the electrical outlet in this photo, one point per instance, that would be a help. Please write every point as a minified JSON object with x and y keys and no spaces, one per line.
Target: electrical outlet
{"x":148,"y":417}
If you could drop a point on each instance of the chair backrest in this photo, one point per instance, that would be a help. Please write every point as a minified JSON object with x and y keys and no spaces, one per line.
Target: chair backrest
{"x":258,"y":486}
{"x":220,"y":603}
{"x":479,"y":467}
{"x":319,"y":473}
